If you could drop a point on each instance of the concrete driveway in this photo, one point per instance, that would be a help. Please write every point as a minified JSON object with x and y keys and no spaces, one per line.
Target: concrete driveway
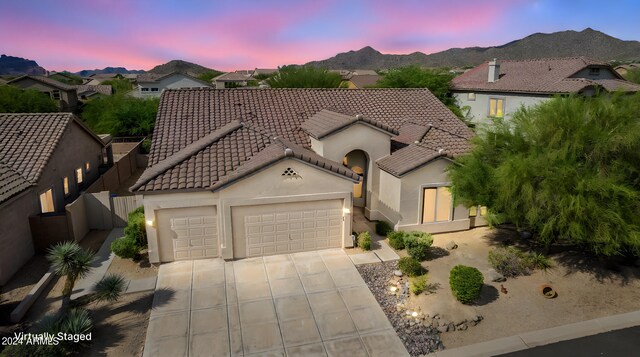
{"x":302,"y":304}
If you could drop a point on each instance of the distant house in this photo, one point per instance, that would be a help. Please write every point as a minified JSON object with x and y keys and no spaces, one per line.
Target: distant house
{"x":232,"y":79}
{"x":265,"y":71}
{"x":153,"y":84}
{"x":98,"y":78}
{"x":88,"y":91}
{"x":623,"y":69}
{"x":46,"y":160}
{"x":499,"y":88}
{"x":64,"y":94}
{"x":362,"y":81}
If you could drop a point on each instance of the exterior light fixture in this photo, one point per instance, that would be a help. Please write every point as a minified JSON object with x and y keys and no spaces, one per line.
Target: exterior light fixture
{"x":346,"y":211}
{"x":414,"y":314}
{"x":393,"y":289}
{"x":150,"y":222}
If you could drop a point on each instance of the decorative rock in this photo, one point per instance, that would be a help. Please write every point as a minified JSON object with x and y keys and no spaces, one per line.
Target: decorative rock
{"x":397,"y":273}
{"x":451,"y":245}
{"x":494,"y":276}
{"x":443,"y":329}
{"x":525,"y":235}
{"x":461,"y":327}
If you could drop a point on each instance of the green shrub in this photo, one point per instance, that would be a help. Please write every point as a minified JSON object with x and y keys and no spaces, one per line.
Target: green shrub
{"x":364,"y":240}
{"x":135,"y":228}
{"x":466,"y":283}
{"x":417,"y":244}
{"x":396,"y":239}
{"x":145,"y":147}
{"x":410,"y":266}
{"x":418,"y":284}
{"x":539,"y":261}
{"x":509,"y":262}
{"x":125,"y":247}
{"x":383,"y":228}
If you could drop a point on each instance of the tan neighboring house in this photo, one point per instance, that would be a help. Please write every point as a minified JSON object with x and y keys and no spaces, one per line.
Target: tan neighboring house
{"x":499,"y":88}
{"x":244,"y":173}
{"x":45,"y":161}
{"x":93,"y":91}
{"x":64,"y":94}
{"x":232,"y":79}
{"x":362,"y":81}
{"x":623,"y":69}
{"x":153,"y":84}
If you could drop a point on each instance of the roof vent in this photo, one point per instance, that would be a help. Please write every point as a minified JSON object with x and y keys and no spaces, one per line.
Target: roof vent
{"x":288,"y":152}
{"x":359,"y":116}
{"x":440,"y":151}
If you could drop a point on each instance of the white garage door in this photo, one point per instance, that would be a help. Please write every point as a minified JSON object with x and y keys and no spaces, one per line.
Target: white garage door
{"x":196,"y":237}
{"x":286,"y":228}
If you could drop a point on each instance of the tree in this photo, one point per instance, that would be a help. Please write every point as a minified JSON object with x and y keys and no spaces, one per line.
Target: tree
{"x":15,"y":100}
{"x":304,"y":77}
{"x":119,"y":85}
{"x":208,"y":76}
{"x":121,"y":115}
{"x":567,"y":170}
{"x":633,"y":75}
{"x":438,"y":81}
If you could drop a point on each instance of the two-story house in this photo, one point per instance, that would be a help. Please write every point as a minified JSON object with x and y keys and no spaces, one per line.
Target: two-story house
{"x":64,"y":94}
{"x":499,"y":88}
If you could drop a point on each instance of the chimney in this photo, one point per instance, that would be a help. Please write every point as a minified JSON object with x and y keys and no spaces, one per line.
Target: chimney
{"x":494,"y":71}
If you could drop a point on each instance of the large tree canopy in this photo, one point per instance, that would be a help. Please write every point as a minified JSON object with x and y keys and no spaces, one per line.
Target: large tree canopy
{"x":438,"y":81}
{"x":304,"y":77}
{"x":121,"y":115}
{"x":568,"y":170}
{"x":16,"y":100}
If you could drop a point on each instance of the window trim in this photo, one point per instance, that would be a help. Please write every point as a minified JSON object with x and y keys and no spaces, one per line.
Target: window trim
{"x":504,"y":107}
{"x":53,"y":201}
{"x":56,"y":93}
{"x":421,"y":203}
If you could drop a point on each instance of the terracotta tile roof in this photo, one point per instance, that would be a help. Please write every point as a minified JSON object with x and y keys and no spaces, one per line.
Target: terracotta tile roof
{"x":47,"y":81}
{"x":101,"y":89}
{"x":612,"y":85}
{"x":327,"y":122}
{"x":11,"y":183}
{"x":410,"y":133}
{"x":233,"y":77}
{"x":151,"y":77}
{"x":188,"y":115}
{"x":545,"y":76}
{"x":362,"y":81}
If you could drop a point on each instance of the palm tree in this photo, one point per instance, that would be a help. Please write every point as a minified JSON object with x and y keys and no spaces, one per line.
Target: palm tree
{"x":73,"y":262}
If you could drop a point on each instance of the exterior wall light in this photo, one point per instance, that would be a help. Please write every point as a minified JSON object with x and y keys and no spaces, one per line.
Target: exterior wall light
{"x":346,"y":211}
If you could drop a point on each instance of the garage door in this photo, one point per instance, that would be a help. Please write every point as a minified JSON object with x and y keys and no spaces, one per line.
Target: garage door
{"x":187,"y":233}
{"x":285,"y":228}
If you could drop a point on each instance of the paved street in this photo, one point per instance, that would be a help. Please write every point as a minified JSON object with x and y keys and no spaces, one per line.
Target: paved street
{"x":302,"y":304}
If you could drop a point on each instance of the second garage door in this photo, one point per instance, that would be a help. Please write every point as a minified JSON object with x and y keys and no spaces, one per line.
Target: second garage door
{"x":188,"y":233}
{"x":286,"y":227}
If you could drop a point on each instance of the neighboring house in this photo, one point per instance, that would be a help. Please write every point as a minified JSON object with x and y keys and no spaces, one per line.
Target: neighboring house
{"x":153,"y":84}
{"x":2,"y":81}
{"x":265,"y":71}
{"x":88,"y":91}
{"x":97,"y":78}
{"x":499,"y":88}
{"x":65,"y":95}
{"x":232,"y":79}
{"x":362,"y":81}
{"x":243,"y":173}
{"x":45,"y":161}
{"x":623,"y":69}
{"x":65,"y":78}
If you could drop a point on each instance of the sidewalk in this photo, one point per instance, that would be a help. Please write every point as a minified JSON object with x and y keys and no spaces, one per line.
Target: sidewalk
{"x":100,"y":265}
{"x":545,"y":337}
{"x":380,"y":249}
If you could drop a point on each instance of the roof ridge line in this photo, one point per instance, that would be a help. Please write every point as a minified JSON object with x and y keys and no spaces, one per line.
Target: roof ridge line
{"x":185,"y":153}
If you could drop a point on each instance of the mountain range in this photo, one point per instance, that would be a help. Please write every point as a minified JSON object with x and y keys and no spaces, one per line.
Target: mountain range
{"x":108,"y":70}
{"x":181,"y":66}
{"x":10,"y":65}
{"x":589,"y":43}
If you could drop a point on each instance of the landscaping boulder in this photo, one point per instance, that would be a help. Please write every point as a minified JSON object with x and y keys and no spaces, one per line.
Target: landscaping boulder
{"x":397,"y":273}
{"x":494,"y":276}
{"x":451,"y":245}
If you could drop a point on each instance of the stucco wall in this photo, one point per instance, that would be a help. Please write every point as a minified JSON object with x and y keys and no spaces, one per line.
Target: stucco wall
{"x":480,"y":106}
{"x":77,"y":218}
{"x":388,"y":198}
{"x":171,"y":82}
{"x":16,"y":246}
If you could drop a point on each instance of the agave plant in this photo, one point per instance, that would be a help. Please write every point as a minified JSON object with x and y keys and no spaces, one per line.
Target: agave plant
{"x":73,"y":262}
{"x":109,"y":288}
{"x":76,"y":322}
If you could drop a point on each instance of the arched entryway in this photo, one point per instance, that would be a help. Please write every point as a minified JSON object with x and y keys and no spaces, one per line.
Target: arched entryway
{"x":358,"y":162}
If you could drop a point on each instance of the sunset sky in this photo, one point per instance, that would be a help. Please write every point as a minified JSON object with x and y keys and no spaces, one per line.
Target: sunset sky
{"x":243,"y":34}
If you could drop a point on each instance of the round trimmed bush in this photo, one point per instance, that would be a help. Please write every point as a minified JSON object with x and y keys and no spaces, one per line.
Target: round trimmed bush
{"x":383,"y":228}
{"x":417,"y":244}
{"x":466,"y":283}
{"x":364,"y":240}
{"x":396,"y":239}
{"x":410,"y":267}
{"x":125,"y":247}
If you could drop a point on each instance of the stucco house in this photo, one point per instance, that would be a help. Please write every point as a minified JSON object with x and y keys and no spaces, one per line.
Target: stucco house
{"x":242,"y":173}
{"x":153,"y":84}
{"x":361,"y":81}
{"x":86,"y":91}
{"x":499,"y":88}
{"x":64,"y":94}
{"x":232,"y":79}
{"x":46,"y":160}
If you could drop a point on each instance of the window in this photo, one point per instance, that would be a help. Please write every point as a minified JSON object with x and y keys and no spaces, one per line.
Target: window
{"x":144,"y":89}
{"x":65,"y":185}
{"x":437,"y":204}
{"x":87,"y":167}
{"x":471,"y":96}
{"x":154,"y":89}
{"x":496,"y":107}
{"x":46,"y":201}
{"x":594,"y":71}
{"x":79,"y":177}
{"x":55,"y":94}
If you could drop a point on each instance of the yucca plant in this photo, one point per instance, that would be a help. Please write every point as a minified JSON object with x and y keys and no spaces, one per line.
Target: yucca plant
{"x":109,"y":288}
{"x":73,"y":262}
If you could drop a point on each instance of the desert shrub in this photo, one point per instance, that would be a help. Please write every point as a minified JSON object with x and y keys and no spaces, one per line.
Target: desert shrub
{"x":135,"y":228}
{"x":364,"y":240}
{"x":145,"y":147}
{"x":539,"y":261}
{"x":418,"y":284}
{"x":383,"y":228}
{"x":396,"y":239}
{"x":466,"y":283}
{"x":417,"y":244}
{"x":125,"y":247}
{"x":410,"y":266}
{"x":509,"y":262}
